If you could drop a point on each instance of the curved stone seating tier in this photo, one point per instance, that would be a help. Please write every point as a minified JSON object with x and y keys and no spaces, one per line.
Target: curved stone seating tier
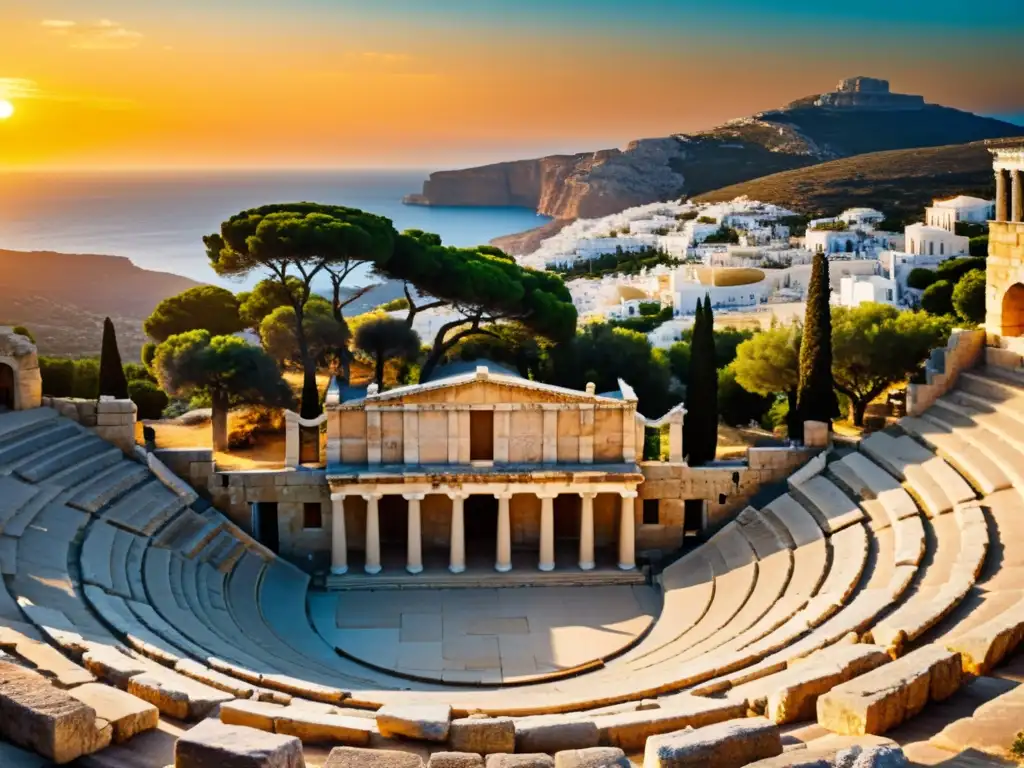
{"x":971,"y":462}
{"x":931,"y":480}
{"x":832,"y":508}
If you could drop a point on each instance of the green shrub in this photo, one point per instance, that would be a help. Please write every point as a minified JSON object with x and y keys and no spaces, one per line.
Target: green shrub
{"x":953,"y":269}
{"x":652,"y":444}
{"x":969,"y":297}
{"x":137,"y":372}
{"x":978,"y":246}
{"x":148,"y":398}
{"x":63,"y":377}
{"x":938,"y":298}
{"x":21,"y":330}
{"x":648,"y":308}
{"x":921,"y":277}
{"x":777,"y":416}
{"x":1017,"y":748}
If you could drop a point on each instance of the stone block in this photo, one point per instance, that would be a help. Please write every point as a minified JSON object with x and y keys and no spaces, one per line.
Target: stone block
{"x":47,"y":720}
{"x":595,"y":757}
{"x":554,"y":733}
{"x":537,"y":760}
{"x":251,"y":714}
{"x":176,"y":695}
{"x":731,"y":744}
{"x":816,"y":434}
{"x":984,"y":646}
{"x":483,"y":735}
{"x":426,"y":722}
{"x":112,"y":666}
{"x":630,"y":730}
{"x":212,"y":744}
{"x":313,"y":727}
{"x":455,"y":760}
{"x":127,"y":715}
{"x":882,"y":699}
{"x":354,"y":757}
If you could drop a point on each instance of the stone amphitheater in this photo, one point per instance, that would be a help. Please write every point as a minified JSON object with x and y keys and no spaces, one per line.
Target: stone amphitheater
{"x":866,"y":615}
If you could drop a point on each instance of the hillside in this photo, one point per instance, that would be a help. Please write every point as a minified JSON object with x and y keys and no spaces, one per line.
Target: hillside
{"x":900,"y":182}
{"x":63,"y":298}
{"x":808,"y":131}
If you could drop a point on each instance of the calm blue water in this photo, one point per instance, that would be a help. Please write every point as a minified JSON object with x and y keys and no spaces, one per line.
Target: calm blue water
{"x":158,"y":219}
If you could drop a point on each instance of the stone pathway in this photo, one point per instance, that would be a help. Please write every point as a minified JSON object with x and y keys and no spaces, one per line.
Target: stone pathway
{"x":485,"y":635}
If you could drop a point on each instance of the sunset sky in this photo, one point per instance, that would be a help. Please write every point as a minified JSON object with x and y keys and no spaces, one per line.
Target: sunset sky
{"x":440,"y":83}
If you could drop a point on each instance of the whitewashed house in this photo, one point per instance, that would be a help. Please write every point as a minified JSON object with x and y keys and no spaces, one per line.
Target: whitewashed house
{"x":944,"y":214}
{"x":855,"y":290}
{"x":925,"y":240}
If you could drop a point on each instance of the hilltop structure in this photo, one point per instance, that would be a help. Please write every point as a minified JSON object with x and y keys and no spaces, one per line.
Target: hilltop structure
{"x":868,"y":93}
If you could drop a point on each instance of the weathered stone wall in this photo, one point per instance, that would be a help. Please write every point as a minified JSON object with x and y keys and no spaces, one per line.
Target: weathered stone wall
{"x":963,"y":351}
{"x":113,"y":420}
{"x":19,"y":354}
{"x":1005,"y":268}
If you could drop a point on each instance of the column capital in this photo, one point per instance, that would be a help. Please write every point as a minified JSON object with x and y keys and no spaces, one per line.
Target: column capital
{"x":503,"y":494}
{"x":629,"y":494}
{"x":547,"y":494}
{"x":414,"y":496}
{"x":372,"y":496}
{"x":458,"y":495}
{"x":588,"y":494}
{"x":340,"y":495}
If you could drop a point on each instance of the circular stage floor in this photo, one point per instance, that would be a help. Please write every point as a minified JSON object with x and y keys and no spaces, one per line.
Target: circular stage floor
{"x":484,"y":635}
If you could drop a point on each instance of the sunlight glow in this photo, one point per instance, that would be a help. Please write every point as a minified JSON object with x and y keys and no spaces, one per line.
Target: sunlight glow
{"x":6,"y":109}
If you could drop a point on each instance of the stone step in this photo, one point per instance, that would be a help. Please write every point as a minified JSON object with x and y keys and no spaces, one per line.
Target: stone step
{"x":888,"y":452}
{"x":479,"y":579}
{"x":119,"y":564}
{"x":96,"y":553}
{"x":45,"y":436}
{"x":967,"y":459}
{"x":14,"y":496}
{"x":109,"y":485}
{"x":22,"y":519}
{"x":849,"y":548}
{"x":191,"y":546}
{"x":18,"y":423}
{"x":831,"y":508}
{"x":67,"y":454}
{"x":873,"y":482}
{"x":730,"y":743}
{"x":145,"y":509}
{"x":799,"y":523}
{"x":88,"y":468}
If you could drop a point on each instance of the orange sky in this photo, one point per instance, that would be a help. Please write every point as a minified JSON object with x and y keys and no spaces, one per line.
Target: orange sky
{"x":169,"y":88}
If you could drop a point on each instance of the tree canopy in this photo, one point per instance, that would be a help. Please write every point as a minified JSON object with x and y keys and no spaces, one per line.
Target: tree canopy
{"x":208,"y":307}
{"x":937,"y":298}
{"x":876,"y":346}
{"x":225,"y":368}
{"x":263,"y":299}
{"x":324,"y":334}
{"x":969,"y":297}
{"x":700,"y":429}
{"x":483,"y":287}
{"x":302,"y":241}
{"x":386,"y":338}
{"x":768,"y":364}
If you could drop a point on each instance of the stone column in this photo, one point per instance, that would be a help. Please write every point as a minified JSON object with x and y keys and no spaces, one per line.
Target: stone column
{"x":1002,"y":197}
{"x":675,"y":438}
{"x":339,"y":542}
{"x":587,"y":530}
{"x":547,"y":532}
{"x":414,"y":547}
{"x":503,"y":561}
{"x":1017,"y":196}
{"x":627,"y":532}
{"x":457,"y":557}
{"x":372,"y":533}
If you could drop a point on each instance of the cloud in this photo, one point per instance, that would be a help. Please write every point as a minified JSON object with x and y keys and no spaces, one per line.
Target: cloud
{"x":102,"y":35}
{"x":18,"y":88}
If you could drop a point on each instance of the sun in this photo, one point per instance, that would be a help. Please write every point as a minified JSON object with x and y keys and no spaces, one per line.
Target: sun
{"x":6,"y":109}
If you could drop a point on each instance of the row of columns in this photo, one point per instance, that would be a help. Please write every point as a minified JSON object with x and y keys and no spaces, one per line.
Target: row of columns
{"x":457,"y":546}
{"x":1009,"y":202}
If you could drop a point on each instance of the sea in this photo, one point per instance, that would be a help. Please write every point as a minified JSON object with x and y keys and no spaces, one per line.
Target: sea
{"x":158,"y":219}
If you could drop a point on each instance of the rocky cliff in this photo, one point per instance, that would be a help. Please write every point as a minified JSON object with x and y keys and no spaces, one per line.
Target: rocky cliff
{"x":804,"y":133}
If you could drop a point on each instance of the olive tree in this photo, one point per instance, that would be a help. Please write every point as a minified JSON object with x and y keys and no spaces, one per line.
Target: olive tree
{"x":768,"y":364}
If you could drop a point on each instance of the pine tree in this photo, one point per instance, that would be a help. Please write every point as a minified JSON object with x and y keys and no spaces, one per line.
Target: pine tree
{"x":112,"y":378}
{"x":816,"y":396}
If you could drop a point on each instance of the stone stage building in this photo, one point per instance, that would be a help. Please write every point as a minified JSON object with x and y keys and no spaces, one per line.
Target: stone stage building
{"x":21,"y":385}
{"x":1004,"y":300}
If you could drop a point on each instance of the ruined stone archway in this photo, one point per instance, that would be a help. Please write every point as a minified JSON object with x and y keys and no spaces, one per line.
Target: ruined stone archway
{"x":21,"y":382}
{"x":1013,"y":311}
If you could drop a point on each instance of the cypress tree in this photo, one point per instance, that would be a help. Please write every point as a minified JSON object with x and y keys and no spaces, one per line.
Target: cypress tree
{"x":112,"y":378}
{"x":691,"y":424}
{"x":710,"y":367}
{"x":816,"y":395}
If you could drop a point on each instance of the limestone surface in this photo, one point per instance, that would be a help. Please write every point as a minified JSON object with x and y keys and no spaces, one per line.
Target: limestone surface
{"x":482,"y":735}
{"x":127,"y":714}
{"x":552,"y":733}
{"x":320,"y":728}
{"x":35,"y":715}
{"x":355,"y":757}
{"x":731,"y":744}
{"x":455,"y":760}
{"x":595,"y":757}
{"x":537,"y":760}
{"x":212,"y":744}
{"x":426,"y":722}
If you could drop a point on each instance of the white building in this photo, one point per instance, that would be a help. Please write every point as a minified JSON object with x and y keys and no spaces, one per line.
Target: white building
{"x":925,"y":240}
{"x":848,"y":241}
{"x":855,"y":218}
{"x":944,"y":214}
{"x":855,"y":290}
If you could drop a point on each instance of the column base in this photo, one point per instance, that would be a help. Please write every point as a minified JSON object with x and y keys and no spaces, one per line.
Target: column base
{"x":587,"y":566}
{"x":339,"y":570}
{"x":546,"y":567}
{"x":372,"y":569}
{"x":414,"y":569}
{"x":456,"y":568}
{"x":503,"y":568}
{"x":627,"y":566}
